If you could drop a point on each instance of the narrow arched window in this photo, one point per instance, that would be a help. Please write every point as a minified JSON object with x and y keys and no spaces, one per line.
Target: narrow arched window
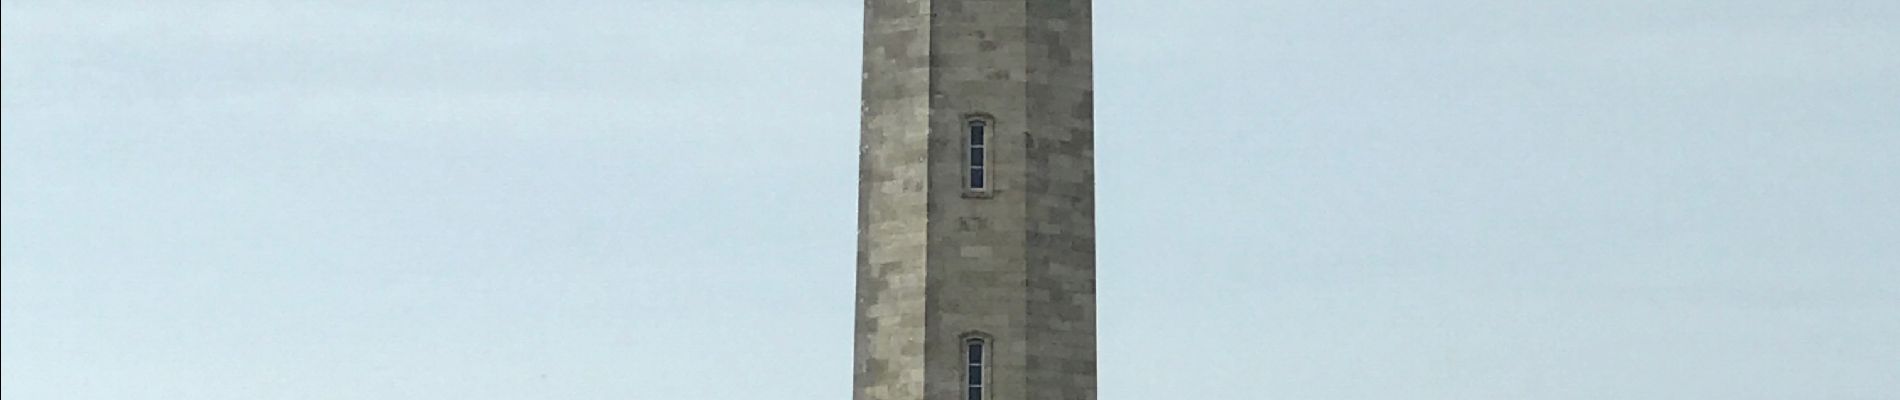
{"x":973,"y":352}
{"x":978,"y":157}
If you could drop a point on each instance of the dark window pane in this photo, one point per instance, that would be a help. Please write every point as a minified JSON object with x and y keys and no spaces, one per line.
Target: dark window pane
{"x":976,"y":133}
{"x":976,"y":353}
{"x":976,"y":178}
{"x":976,"y":375}
{"x":976,"y":157}
{"x":976,"y":393}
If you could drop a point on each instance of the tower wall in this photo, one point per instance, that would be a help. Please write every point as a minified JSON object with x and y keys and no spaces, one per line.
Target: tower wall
{"x":1013,"y":263}
{"x":893,"y":204}
{"x":1060,"y":181}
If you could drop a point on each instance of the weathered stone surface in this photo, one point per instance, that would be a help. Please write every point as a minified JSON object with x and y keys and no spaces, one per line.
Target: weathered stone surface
{"x":937,"y":263}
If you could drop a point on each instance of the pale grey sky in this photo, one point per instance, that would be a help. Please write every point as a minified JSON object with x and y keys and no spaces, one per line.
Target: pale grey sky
{"x":1606,"y":199}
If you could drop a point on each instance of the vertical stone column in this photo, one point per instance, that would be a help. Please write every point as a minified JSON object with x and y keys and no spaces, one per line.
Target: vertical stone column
{"x":892,"y":200}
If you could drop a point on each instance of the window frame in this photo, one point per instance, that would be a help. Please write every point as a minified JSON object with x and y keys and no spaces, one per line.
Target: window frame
{"x":978,"y":361}
{"x":978,"y":136}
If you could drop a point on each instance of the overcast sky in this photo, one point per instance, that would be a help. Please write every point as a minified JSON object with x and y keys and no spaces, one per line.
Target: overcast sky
{"x":1325,"y":199}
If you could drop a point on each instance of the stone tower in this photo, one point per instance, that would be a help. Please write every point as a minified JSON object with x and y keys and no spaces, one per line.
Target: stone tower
{"x":976,"y":207}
